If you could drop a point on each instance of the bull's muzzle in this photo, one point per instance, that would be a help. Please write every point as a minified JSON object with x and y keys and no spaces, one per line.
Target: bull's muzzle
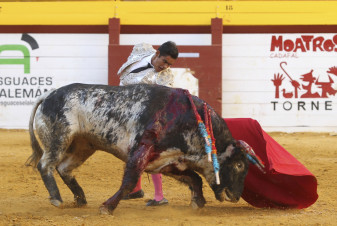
{"x":229,"y":196}
{"x":226,"y":195}
{"x":220,"y":196}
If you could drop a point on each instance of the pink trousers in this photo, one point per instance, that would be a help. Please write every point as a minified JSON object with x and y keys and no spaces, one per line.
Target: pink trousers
{"x":158,"y":188}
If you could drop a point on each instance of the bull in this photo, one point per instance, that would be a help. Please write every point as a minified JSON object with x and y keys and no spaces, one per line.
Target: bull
{"x":150,"y":128}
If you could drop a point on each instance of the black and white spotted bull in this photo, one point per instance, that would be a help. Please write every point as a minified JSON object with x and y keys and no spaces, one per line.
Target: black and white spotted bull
{"x":151,"y":128}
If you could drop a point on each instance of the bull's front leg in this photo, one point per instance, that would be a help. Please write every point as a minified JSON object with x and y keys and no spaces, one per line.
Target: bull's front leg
{"x":135,"y":166}
{"x":190,"y":178}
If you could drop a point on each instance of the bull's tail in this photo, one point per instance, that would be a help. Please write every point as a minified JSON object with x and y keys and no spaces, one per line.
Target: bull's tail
{"x":37,"y":150}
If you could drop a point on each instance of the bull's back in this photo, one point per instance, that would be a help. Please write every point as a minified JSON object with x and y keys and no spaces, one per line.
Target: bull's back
{"x":114,"y":118}
{"x":113,"y":115}
{"x":111,"y":101}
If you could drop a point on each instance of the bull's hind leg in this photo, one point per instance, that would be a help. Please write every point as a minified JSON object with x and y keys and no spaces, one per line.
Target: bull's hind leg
{"x":75,"y":188}
{"x":190,"y":178}
{"x":46,"y":171}
{"x":55,"y":148}
{"x":78,"y":152}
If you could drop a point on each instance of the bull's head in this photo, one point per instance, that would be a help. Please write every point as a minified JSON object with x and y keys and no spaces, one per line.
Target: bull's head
{"x":234,"y":164}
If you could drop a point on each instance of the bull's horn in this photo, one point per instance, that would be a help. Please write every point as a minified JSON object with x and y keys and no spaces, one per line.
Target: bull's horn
{"x":252,"y":157}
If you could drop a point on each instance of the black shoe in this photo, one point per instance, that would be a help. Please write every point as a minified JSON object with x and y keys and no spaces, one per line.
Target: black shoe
{"x":153,"y":202}
{"x":135,"y":195}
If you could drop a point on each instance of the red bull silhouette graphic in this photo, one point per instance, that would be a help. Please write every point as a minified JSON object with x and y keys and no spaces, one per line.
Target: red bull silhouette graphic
{"x":309,"y":81}
{"x":308,"y":87}
{"x":327,"y":86}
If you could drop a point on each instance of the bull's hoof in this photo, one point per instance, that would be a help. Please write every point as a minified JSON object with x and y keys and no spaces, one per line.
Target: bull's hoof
{"x":80,"y":202}
{"x":220,"y":196}
{"x":194,"y":205}
{"x":56,"y":202}
{"x":197,"y":203}
{"x":104,"y":210}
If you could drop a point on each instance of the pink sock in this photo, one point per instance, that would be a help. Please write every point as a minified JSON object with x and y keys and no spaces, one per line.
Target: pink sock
{"x":158,"y":189}
{"x":138,"y":185}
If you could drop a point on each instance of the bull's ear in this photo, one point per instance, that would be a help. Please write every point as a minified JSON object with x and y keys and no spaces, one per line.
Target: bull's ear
{"x":227,"y":153}
{"x":230,"y":148}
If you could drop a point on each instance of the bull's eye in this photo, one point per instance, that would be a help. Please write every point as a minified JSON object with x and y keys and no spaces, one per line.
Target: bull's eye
{"x":239,"y":166}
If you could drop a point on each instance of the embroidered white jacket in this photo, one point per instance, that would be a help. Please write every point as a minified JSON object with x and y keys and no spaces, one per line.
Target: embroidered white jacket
{"x":149,"y":76}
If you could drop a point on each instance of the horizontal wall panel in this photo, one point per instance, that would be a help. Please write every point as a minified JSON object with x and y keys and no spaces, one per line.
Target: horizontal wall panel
{"x":61,"y":39}
{"x":158,"y":39}
{"x":64,"y":51}
{"x":81,"y":63}
{"x":268,"y":117}
{"x":247,"y":73}
{"x":193,"y":13}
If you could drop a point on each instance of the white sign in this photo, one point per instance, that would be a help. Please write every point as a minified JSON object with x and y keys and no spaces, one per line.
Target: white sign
{"x":31,"y":64}
{"x":288,"y":82}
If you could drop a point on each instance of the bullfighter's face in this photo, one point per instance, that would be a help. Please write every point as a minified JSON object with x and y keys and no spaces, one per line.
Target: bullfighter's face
{"x":162,"y":62}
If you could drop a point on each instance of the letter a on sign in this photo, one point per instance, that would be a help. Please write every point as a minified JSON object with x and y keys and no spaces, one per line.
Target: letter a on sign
{"x":25,"y":61}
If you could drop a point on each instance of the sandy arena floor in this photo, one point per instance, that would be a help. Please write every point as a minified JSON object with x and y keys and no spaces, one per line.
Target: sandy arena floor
{"x":24,"y":199}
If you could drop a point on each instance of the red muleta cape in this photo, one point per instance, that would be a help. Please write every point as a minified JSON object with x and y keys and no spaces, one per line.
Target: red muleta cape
{"x":286,"y":184}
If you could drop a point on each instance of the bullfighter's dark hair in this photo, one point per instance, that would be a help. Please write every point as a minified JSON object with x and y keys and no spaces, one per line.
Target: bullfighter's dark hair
{"x":169,"y":48}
